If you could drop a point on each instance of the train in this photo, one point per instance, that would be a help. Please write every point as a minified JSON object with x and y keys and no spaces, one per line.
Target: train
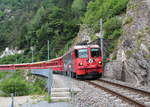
{"x":82,"y":62}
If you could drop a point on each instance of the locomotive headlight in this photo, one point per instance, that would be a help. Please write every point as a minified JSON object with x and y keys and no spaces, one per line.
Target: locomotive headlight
{"x":100,"y":62}
{"x":81,"y":64}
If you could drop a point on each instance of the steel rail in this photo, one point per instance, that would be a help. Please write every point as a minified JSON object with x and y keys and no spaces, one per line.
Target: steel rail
{"x":129,"y":100}
{"x":127,"y":87}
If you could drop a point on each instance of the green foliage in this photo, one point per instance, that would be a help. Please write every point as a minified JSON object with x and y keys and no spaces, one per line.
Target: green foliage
{"x":94,"y":37}
{"x":112,"y":32}
{"x":1,"y":14}
{"x":48,"y":99}
{"x":112,"y":24}
{"x":13,"y":59}
{"x":128,"y":20}
{"x":3,"y":74}
{"x":114,"y":57}
{"x":129,"y":53}
{"x":147,"y":57}
{"x":104,"y":9}
{"x":33,"y":22}
{"x":78,"y":7}
{"x":15,"y":82}
{"x":38,"y":86}
{"x":15,"y":85}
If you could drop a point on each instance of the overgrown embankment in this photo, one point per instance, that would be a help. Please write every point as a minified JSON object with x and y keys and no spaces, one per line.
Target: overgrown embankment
{"x":21,"y":83}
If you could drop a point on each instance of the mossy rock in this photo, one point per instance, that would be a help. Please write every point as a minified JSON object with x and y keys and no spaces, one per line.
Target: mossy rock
{"x":147,"y":29}
{"x":147,"y":56}
{"x":129,"y":53}
{"x":94,"y":37}
{"x":128,"y":20}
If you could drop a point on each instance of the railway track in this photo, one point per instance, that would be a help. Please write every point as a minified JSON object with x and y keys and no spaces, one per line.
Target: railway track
{"x":132,"y":96}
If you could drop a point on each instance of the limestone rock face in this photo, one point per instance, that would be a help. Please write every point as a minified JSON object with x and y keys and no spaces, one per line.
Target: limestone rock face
{"x":132,"y":62}
{"x":84,"y":34}
{"x":9,"y":51}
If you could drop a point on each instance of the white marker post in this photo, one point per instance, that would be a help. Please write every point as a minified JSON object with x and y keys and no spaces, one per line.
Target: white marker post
{"x":12,"y":97}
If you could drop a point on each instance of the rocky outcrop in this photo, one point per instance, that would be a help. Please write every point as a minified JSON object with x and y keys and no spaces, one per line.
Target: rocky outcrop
{"x":84,"y":34}
{"x":132,"y":62}
{"x":9,"y":51}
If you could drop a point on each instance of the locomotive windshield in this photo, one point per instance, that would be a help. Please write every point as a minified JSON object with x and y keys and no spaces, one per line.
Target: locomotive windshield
{"x":82,"y":53}
{"x":95,"y":52}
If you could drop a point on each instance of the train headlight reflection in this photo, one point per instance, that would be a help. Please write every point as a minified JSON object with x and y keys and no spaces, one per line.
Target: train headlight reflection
{"x":81,"y":64}
{"x":100,"y":62}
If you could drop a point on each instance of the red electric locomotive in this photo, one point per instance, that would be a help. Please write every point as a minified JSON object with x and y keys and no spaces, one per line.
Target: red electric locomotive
{"x":83,"y":61}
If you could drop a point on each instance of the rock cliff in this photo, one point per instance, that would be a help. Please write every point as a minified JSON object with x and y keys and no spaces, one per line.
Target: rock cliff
{"x":132,"y":63}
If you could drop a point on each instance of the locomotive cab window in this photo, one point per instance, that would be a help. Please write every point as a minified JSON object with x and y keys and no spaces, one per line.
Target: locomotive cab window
{"x":81,"y":53}
{"x":95,"y":52}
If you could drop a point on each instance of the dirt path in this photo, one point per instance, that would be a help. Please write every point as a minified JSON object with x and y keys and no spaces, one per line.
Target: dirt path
{"x":61,"y":81}
{"x":6,"y":101}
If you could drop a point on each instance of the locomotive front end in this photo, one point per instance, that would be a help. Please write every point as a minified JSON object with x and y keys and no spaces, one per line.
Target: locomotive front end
{"x":88,"y":62}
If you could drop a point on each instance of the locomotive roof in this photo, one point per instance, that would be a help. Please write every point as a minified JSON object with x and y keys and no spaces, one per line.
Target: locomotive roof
{"x":85,"y":46}
{"x":80,"y":47}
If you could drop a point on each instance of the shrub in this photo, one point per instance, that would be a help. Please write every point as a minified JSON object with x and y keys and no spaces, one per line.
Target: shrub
{"x":3,"y":74}
{"x":38,"y":86}
{"x":112,"y":32}
{"x":129,"y":53}
{"x":104,"y":9}
{"x":128,"y":20}
{"x":111,"y":25}
{"x":15,"y":85}
{"x":116,"y":34}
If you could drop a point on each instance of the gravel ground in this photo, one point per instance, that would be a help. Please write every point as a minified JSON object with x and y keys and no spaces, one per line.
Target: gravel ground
{"x":128,"y":84}
{"x":93,"y":97}
{"x":142,"y":98}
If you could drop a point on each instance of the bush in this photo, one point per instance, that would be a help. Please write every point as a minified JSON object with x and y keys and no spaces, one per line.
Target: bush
{"x":38,"y":86}
{"x":104,"y":9}
{"x":111,"y":25}
{"x":15,"y":85}
{"x":17,"y":58}
{"x":128,"y":20}
{"x":112,"y":32}
{"x":3,"y":74}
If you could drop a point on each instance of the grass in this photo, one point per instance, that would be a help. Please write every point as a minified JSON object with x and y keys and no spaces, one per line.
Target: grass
{"x":129,"y":53}
{"x":147,"y":29}
{"x":48,"y":99}
{"x":94,"y":37}
{"x":114,"y":57}
{"x":147,"y":56}
{"x":128,"y":20}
